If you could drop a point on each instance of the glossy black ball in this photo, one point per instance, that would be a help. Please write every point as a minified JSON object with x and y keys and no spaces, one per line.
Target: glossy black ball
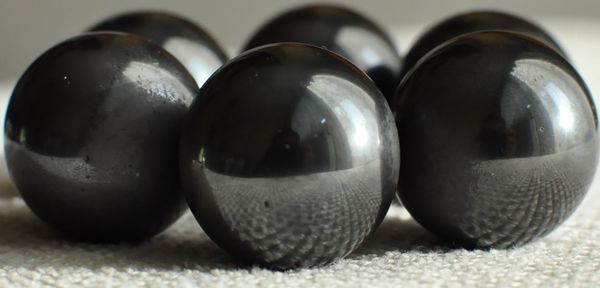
{"x":91,"y":137}
{"x":289,"y":156}
{"x":342,"y":31}
{"x":499,"y":140}
{"x":189,"y":43}
{"x":472,"y":22}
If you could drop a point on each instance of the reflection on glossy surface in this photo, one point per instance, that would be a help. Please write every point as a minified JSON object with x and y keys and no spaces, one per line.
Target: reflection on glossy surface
{"x":289,"y":156}
{"x":472,"y":22}
{"x":91,"y":137}
{"x":502,"y":147}
{"x":342,"y":31}
{"x":191,"y":45}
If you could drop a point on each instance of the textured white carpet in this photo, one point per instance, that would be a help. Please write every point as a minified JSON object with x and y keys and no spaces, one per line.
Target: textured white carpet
{"x":399,"y":254}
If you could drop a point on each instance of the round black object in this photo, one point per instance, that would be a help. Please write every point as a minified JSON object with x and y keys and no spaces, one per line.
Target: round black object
{"x":91,"y":137}
{"x":342,"y":31}
{"x":289,"y":156}
{"x":499,"y":140}
{"x":191,"y":45}
{"x":472,"y":22}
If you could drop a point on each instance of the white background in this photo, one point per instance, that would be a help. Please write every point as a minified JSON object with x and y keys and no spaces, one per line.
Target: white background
{"x":29,"y":27}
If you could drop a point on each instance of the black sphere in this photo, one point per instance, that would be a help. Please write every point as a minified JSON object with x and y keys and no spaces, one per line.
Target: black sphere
{"x":91,"y":137}
{"x":472,"y":22}
{"x":342,"y":31}
{"x":289,"y":156}
{"x":499,"y":140}
{"x":189,"y":43}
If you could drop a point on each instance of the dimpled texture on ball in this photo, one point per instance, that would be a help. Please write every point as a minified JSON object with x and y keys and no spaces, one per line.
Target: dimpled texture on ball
{"x":289,"y":156}
{"x":499,"y":140}
{"x":91,"y":137}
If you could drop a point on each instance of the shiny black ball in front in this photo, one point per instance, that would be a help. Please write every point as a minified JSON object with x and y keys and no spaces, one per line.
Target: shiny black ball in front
{"x":91,"y":137}
{"x":289,"y":156}
{"x":499,"y":140}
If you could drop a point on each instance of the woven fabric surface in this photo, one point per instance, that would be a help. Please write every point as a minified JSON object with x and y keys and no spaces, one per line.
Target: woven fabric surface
{"x":399,"y":254}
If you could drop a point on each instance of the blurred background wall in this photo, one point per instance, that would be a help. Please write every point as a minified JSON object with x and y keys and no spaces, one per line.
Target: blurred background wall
{"x":29,"y":27}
